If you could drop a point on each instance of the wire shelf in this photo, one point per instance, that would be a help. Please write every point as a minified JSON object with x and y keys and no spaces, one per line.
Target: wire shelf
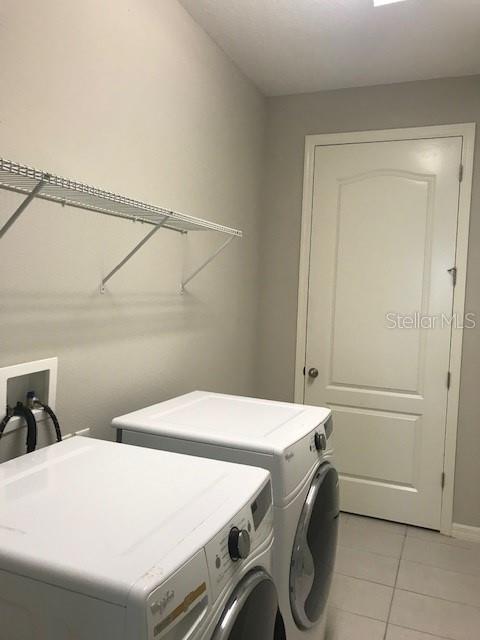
{"x":22,"y":179}
{"x":37,"y":184}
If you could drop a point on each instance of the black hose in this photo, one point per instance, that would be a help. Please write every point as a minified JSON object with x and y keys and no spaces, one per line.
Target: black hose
{"x":54,"y":419}
{"x":33,"y":401}
{"x":4,"y":423}
{"x":24,"y":412}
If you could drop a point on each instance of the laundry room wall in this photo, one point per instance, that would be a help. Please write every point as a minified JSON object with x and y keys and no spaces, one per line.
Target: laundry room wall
{"x":290,"y":119}
{"x":135,"y":98}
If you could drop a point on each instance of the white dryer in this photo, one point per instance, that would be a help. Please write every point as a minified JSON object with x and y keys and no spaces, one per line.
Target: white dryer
{"x":100,"y":541}
{"x":290,"y":440}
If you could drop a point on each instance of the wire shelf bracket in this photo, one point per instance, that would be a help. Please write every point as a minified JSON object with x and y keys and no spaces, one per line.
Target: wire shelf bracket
{"x":18,"y":212}
{"x":131,"y":254}
{"x":37,"y":184}
{"x":207,"y":262}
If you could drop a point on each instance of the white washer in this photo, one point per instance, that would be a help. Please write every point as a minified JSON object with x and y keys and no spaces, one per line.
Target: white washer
{"x":102,"y":541}
{"x":289,"y":440}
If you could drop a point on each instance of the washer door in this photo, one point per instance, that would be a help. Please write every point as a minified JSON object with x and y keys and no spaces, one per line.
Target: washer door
{"x":251,"y":611}
{"x":314,"y":549}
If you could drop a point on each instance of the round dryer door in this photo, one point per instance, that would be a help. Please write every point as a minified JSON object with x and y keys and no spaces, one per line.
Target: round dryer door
{"x":314,"y":549}
{"x":251,"y":611}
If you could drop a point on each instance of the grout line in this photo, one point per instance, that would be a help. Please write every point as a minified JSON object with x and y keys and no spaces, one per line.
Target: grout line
{"x":364,"y":550}
{"x":380,"y":584}
{"x":428,"y":595}
{"x":396,"y":587}
{"x":360,"y":615}
{"x":432,"y":635}
{"x":439,"y":568}
{"x":395,"y":584}
{"x":436,"y":566}
{"x":466,"y":545}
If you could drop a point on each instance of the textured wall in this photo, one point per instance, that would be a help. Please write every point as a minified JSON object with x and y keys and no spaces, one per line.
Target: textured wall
{"x":382,"y":107}
{"x":135,"y":98}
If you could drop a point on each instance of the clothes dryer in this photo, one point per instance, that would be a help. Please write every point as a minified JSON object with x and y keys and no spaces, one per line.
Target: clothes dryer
{"x":290,"y":441}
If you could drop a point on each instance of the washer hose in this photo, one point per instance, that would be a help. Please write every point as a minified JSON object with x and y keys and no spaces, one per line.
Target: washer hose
{"x":5,"y":421}
{"x":32,"y":401}
{"x":24,"y":412}
{"x":54,"y":419}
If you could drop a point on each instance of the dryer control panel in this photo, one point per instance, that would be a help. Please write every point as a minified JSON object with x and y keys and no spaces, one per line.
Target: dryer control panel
{"x":303,"y":455}
{"x":232,"y":546}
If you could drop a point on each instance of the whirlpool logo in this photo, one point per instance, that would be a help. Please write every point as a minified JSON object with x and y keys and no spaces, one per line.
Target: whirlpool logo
{"x":162,"y":604}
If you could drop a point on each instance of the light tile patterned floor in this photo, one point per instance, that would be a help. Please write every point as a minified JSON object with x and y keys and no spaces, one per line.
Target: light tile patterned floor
{"x":395,"y":582}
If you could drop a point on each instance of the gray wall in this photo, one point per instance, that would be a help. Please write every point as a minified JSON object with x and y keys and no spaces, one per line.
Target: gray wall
{"x":133,"y":97}
{"x":289,"y":120}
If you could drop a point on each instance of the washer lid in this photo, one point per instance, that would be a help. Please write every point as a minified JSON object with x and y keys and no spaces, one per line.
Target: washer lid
{"x":99,"y":517}
{"x":258,"y":425}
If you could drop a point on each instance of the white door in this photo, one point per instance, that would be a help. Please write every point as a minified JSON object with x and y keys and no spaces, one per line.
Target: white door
{"x":383,"y":236}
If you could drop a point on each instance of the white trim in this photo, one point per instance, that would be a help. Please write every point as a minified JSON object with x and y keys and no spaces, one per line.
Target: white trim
{"x":24,"y":369}
{"x":467,"y":132}
{"x":464,"y":532}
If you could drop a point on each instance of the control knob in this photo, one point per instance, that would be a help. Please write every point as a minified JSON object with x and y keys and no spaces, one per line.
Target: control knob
{"x":320,"y":441}
{"x":238,"y":544}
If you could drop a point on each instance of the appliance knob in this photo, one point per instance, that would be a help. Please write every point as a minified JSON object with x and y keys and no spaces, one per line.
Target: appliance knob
{"x":320,"y":441}
{"x":238,"y":544}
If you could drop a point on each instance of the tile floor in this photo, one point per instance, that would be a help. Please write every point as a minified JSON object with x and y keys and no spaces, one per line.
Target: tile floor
{"x":395,"y":582}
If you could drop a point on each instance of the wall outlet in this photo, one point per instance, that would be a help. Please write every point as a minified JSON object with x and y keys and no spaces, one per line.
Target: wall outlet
{"x":16,"y":380}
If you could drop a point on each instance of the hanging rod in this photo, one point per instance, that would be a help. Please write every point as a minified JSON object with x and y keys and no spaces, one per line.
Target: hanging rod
{"x":38,"y":184}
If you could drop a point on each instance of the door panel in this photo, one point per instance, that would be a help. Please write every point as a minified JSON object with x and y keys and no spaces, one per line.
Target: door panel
{"x":370,"y":356}
{"x":384,"y":431}
{"x":384,"y":218}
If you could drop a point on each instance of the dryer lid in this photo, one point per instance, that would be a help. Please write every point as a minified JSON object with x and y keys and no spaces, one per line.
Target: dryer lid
{"x":257,"y":425}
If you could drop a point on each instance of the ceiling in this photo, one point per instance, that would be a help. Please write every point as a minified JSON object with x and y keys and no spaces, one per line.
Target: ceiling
{"x":299,"y":46}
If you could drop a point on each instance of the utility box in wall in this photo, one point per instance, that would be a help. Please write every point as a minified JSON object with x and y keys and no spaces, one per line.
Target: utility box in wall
{"x":18,"y":379}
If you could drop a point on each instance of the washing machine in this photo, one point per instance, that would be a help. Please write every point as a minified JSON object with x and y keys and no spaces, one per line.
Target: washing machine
{"x":101,"y":541}
{"x":291,"y":441}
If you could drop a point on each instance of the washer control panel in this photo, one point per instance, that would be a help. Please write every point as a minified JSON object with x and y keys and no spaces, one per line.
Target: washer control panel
{"x":232,"y":546}
{"x":238,"y":544}
{"x":180,"y":601}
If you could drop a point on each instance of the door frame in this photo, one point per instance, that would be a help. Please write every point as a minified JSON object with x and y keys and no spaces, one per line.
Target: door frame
{"x":467,"y":132}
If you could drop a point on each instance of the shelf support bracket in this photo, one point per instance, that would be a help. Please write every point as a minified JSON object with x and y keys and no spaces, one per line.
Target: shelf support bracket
{"x":132,"y":253}
{"x":204,"y":264}
{"x":14,"y":217}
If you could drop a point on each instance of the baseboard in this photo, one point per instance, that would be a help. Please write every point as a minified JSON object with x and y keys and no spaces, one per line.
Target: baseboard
{"x":464,"y":532}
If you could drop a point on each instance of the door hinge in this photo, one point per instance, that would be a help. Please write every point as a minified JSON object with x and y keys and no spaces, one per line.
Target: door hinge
{"x":443,"y":480}
{"x":460,"y":173}
{"x":449,"y":379}
{"x":453,"y":273}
